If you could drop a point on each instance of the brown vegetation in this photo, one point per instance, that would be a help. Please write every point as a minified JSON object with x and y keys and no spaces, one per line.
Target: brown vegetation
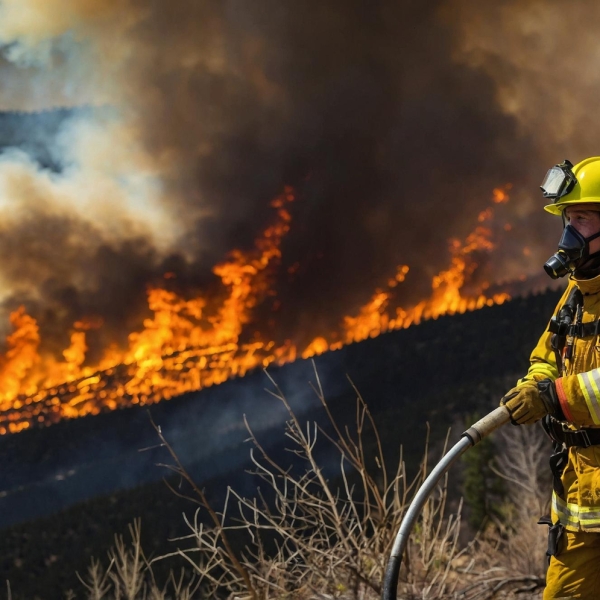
{"x":304,"y":536}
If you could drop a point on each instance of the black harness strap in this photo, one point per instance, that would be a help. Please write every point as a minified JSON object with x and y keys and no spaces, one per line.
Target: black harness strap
{"x":563,"y":440}
{"x":588,"y":329}
{"x":580,"y":438}
{"x":581,"y":330}
{"x":562,"y":324}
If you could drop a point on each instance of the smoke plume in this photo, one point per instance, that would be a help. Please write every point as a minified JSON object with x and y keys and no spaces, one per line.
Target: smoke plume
{"x":393,"y":121}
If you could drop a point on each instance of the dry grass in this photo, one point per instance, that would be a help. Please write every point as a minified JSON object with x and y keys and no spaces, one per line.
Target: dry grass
{"x":129,"y":575}
{"x":507,"y":560}
{"x":304,"y":538}
{"x":307,"y":539}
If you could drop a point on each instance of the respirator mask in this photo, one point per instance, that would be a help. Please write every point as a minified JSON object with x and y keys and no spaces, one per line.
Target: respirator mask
{"x":573,"y":249}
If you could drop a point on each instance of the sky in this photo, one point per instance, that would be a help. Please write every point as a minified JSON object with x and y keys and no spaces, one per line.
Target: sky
{"x":144,"y":137}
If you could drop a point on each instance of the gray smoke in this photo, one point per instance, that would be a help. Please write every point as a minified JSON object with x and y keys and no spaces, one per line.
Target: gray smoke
{"x":393,"y":120}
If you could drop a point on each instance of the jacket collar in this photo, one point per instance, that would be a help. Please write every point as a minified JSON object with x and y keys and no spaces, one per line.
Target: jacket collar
{"x":588,"y":286}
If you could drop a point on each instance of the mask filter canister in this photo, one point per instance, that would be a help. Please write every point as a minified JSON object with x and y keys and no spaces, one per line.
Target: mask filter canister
{"x":573,"y":251}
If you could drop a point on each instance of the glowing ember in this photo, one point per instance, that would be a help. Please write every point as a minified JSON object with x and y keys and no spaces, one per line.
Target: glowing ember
{"x":501,"y":194}
{"x":190,"y":344}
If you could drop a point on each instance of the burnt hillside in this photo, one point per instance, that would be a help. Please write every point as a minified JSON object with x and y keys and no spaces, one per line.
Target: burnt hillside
{"x":438,"y":372}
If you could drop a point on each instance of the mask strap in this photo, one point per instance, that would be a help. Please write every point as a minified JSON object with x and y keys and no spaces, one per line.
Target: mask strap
{"x":592,"y":237}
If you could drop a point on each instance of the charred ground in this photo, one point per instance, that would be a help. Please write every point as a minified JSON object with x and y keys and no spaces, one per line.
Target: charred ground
{"x":438,"y":372}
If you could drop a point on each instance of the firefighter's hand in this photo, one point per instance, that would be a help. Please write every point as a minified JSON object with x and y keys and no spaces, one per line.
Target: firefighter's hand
{"x":526,"y":404}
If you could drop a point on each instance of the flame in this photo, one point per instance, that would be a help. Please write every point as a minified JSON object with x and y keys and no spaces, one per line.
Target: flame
{"x":189,"y":344}
{"x":446,"y":287}
{"x":317,"y":346}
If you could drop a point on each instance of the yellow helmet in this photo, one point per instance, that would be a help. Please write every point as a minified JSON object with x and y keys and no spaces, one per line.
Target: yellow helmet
{"x":568,"y":184}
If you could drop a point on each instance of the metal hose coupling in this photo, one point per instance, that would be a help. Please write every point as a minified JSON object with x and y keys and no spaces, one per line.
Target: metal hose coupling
{"x":469,"y":438}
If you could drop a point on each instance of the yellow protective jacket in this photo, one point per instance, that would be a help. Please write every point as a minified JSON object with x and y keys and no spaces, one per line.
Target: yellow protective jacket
{"x":578,"y":390}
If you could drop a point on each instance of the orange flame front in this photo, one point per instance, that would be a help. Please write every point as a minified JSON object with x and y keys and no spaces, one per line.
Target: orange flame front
{"x":185,"y":346}
{"x":447,"y":296}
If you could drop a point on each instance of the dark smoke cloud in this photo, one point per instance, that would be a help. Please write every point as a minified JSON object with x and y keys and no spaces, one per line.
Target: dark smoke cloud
{"x":393,"y":120}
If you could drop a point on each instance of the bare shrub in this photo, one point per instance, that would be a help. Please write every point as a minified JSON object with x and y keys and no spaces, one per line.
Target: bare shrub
{"x":321,"y":533}
{"x":305,"y":538}
{"x":508,"y":558}
{"x":129,"y":575}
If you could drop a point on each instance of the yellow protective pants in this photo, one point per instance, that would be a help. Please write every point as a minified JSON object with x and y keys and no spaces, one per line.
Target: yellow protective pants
{"x":575,"y":572}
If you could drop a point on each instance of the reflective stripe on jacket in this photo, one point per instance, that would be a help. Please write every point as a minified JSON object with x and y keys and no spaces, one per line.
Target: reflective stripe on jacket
{"x":579,"y":517}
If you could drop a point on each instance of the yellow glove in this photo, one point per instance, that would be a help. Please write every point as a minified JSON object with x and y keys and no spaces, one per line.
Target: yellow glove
{"x":525,"y":404}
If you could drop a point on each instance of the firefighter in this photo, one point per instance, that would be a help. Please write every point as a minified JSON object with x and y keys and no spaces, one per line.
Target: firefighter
{"x":562,"y":385}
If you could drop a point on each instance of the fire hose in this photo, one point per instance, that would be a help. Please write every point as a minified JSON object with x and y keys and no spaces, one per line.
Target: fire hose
{"x":469,"y":438}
